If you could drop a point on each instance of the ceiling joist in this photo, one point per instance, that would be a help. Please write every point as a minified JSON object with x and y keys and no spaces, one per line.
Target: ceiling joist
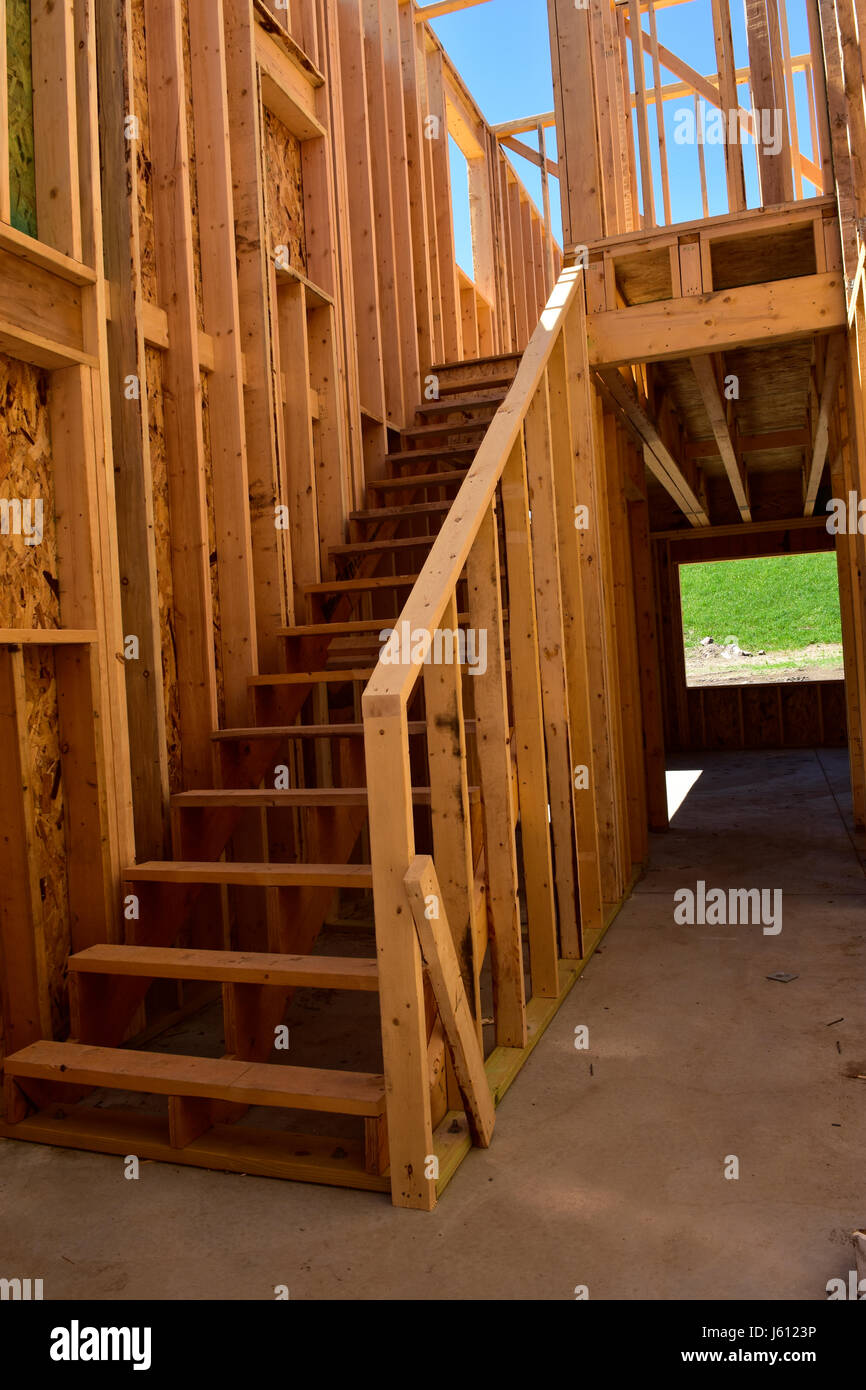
{"x":708,"y":385}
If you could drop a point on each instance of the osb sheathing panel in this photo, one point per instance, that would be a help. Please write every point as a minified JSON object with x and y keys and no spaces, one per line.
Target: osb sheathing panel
{"x":48,"y":836}
{"x":147,"y":236}
{"x":162,"y":544}
{"x":19,"y":79}
{"x":28,"y":573}
{"x":285,"y":191}
{"x":145,"y":168}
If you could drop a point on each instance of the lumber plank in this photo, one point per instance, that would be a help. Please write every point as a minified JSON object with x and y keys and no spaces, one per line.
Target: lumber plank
{"x":749,"y":316}
{"x":494,"y":754}
{"x":180,"y":963}
{"x":252,"y":875}
{"x":160,"y":1073}
{"x":448,"y":980}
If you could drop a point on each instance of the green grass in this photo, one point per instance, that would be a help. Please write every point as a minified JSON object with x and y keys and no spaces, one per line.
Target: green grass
{"x":775,"y":603}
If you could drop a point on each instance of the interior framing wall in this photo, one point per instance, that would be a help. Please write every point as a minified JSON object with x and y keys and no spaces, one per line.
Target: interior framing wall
{"x":64,"y":746}
{"x":189,"y":342}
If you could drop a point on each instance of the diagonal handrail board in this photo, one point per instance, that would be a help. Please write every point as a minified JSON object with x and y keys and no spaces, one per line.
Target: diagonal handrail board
{"x":440,"y":958}
{"x":392,"y":682}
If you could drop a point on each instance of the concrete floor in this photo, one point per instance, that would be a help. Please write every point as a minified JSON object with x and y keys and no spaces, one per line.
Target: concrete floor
{"x":607,"y":1169}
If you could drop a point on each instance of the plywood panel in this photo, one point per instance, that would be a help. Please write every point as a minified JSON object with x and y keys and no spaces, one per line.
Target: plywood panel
{"x":284,"y":191}
{"x":48,"y":838}
{"x":146,"y":223}
{"x":28,"y":573}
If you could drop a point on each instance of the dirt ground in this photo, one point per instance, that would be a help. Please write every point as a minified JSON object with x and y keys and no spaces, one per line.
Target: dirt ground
{"x":726,"y":665}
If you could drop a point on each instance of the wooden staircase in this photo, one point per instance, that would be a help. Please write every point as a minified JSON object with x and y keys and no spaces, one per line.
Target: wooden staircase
{"x":261,"y":858}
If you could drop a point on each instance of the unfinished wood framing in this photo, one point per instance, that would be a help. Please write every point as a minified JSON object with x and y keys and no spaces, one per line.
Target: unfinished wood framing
{"x":353,"y":589}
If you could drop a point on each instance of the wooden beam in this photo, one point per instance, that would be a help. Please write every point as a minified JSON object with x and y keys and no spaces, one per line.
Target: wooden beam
{"x":493,"y":742}
{"x":269,"y":546}
{"x":401,"y":988}
{"x":442,"y":7}
{"x":230,"y":486}
{"x":730,"y":102}
{"x":527,"y":152}
{"x":440,"y":959}
{"x":646,"y":174}
{"x":184,"y":427}
{"x":747,"y":316}
{"x":580,"y":185}
{"x":833,"y":363}
{"x":659,"y":460}
{"x":58,"y":196}
{"x":705,"y":374}
{"x":524,"y":124}
{"x":126,"y":329}
{"x":450,"y":812}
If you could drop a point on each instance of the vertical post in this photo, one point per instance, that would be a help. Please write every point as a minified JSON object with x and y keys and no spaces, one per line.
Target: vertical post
{"x":301,"y":492}
{"x":580,"y":178}
{"x":660,"y":115}
{"x":852,"y":634}
{"x":58,"y":197}
{"x":646,"y":173}
{"x":145,"y":698}
{"x":449,"y":802}
{"x":529,"y":729}
{"x":551,"y":644}
{"x":221,"y":312}
{"x":255,"y":326}
{"x":183,"y":392}
{"x":545,"y":200}
{"x":579,"y":696}
{"x":401,"y":986}
{"x":493,"y":745}
{"x":585,"y":463}
{"x":26,"y":1010}
{"x":648,"y":654}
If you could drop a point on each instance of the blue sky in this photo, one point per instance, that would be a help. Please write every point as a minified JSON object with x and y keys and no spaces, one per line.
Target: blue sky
{"x":502,"y":50}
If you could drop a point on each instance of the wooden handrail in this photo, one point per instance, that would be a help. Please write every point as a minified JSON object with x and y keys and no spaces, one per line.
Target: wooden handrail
{"x":521,"y":433}
{"x":391,"y":684}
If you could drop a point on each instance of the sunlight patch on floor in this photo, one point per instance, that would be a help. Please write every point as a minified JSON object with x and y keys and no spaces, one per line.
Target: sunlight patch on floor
{"x":679,"y":783}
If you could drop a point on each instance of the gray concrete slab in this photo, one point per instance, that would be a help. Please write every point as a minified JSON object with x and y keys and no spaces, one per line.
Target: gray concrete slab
{"x":608,"y":1165}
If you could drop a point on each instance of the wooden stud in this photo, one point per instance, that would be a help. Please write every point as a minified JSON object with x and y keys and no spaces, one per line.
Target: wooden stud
{"x":436,"y":936}
{"x":529,"y":729}
{"x":493,"y":742}
{"x":544,"y":505}
{"x":449,"y":799}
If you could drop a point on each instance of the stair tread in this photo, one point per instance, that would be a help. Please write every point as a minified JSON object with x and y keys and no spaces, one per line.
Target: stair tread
{"x":443,"y":407}
{"x":255,"y":874}
{"x":160,"y":1073}
{"x":477,"y":383}
{"x":341,"y":629}
{"x":407,"y":509}
{"x":229,"y":967}
{"x":419,"y":480}
{"x":446,"y":427}
{"x":416,"y":726}
{"x":312,"y":677}
{"x":371,"y":547}
{"x":291,"y":796}
{"x":385,"y":581}
{"x":443,"y":451}
{"x":468,"y":363}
